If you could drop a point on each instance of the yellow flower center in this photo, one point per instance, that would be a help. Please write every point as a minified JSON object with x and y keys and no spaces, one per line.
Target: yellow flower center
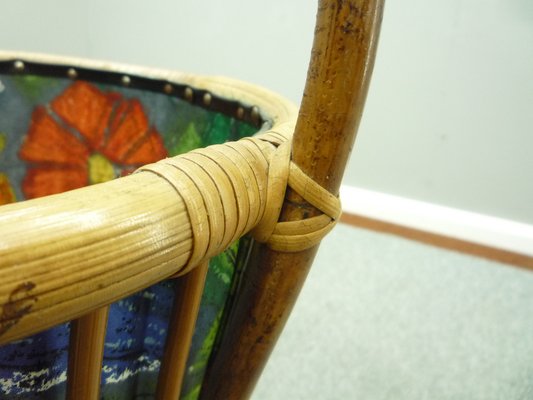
{"x":7,"y":195}
{"x":100,"y":169}
{"x":2,"y":142}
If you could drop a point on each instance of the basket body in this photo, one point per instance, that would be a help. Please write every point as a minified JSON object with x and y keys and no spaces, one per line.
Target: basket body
{"x":59,"y":132}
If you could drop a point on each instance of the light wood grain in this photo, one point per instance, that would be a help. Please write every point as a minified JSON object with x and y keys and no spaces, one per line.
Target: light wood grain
{"x":86,"y":351}
{"x":189,"y":290}
{"x":65,"y":255}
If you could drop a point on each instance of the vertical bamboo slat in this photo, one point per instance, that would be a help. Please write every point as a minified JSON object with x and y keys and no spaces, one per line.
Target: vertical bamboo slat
{"x":86,"y":351}
{"x":341,"y":64}
{"x":189,"y":290}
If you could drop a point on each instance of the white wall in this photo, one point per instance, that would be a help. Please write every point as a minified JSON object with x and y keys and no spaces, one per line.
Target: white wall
{"x":449,"y":117}
{"x":237,"y":38}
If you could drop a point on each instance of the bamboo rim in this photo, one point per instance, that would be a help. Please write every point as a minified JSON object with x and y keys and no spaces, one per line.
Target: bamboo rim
{"x":65,"y":255}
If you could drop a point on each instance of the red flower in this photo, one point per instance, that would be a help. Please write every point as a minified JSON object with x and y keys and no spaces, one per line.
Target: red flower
{"x":84,"y":137}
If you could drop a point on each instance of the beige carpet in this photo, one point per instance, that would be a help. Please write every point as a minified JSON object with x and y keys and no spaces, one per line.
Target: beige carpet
{"x":385,"y":318}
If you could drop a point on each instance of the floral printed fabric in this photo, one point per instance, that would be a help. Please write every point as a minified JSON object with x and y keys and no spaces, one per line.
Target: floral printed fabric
{"x":6,"y":191}
{"x":86,"y":136}
{"x":58,"y":135}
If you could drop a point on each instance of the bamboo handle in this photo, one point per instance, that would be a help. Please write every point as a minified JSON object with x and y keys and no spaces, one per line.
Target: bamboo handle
{"x":342,"y":59}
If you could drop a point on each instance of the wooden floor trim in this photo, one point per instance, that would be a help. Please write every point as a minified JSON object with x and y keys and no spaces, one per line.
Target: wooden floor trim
{"x":459,"y":245}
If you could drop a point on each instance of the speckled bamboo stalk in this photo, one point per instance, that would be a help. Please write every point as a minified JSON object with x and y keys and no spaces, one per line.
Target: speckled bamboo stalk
{"x":342,"y":59}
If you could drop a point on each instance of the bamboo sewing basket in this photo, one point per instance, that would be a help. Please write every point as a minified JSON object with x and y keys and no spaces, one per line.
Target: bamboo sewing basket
{"x":175,"y":279}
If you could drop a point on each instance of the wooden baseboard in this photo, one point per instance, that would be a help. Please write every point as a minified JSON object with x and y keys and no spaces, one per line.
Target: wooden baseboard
{"x":446,"y":242}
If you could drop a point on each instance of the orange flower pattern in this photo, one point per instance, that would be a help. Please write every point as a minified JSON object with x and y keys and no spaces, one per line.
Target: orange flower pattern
{"x":86,"y":136}
{"x":7,"y":195}
{"x":6,"y":191}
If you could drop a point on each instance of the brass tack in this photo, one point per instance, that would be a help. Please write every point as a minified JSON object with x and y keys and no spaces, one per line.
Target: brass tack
{"x":72,"y":73}
{"x":207,"y":99}
{"x":19,"y":65}
{"x":188,"y":94}
{"x":255,"y":113}
{"x":126,"y":80}
{"x":168,"y":88}
{"x":240,"y":113}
